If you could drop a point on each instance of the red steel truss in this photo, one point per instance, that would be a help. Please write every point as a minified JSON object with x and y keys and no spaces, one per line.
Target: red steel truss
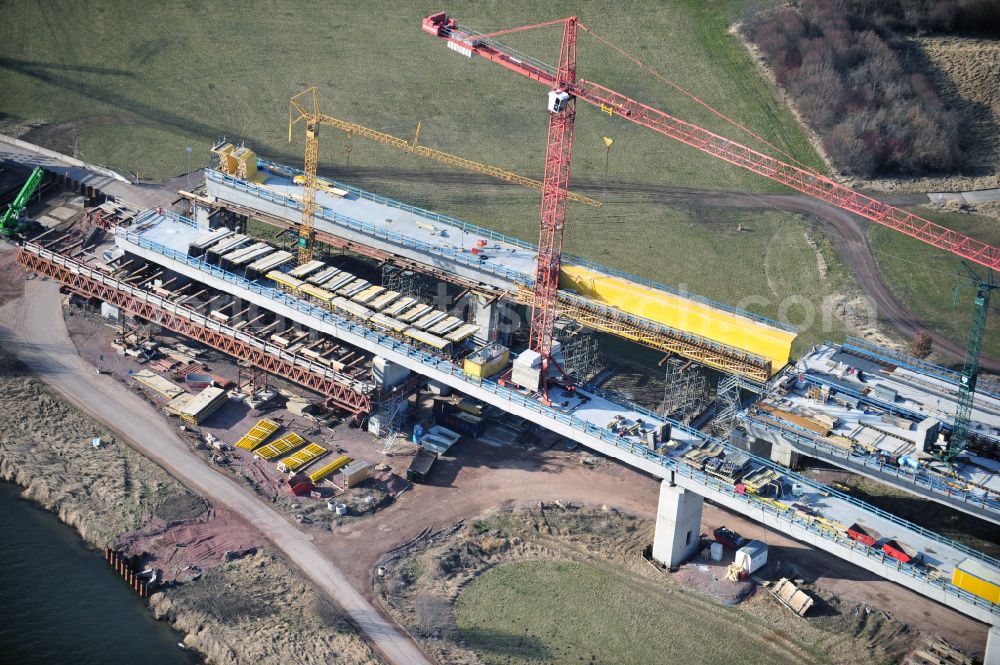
{"x":67,"y":272}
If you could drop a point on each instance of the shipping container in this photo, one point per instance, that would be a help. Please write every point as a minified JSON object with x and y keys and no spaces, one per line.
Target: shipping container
{"x":420,"y":467}
{"x":978,"y":579}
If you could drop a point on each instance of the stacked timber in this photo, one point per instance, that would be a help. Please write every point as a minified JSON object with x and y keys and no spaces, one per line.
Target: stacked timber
{"x":203,"y":405}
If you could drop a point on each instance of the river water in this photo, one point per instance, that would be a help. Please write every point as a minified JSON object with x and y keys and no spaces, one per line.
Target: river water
{"x":61,"y":603}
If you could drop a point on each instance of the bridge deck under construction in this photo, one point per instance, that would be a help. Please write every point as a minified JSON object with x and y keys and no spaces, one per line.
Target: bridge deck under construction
{"x":815,"y":513}
{"x":715,"y":334}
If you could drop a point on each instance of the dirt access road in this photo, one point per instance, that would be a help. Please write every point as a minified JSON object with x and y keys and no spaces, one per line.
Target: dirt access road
{"x":37,"y":335}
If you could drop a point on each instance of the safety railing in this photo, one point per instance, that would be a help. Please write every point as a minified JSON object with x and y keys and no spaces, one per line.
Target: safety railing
{"x":517,"y":242}
{"x":637,"y":449}
{"x":474,"y":261}
{"x":925,"y":480}
{"x":901,"y":359}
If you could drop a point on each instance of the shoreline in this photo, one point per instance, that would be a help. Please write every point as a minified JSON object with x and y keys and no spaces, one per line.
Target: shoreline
{"x":113,"y":492}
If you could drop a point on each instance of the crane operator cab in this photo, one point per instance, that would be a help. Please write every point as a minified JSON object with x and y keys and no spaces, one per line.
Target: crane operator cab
{"x":558,"y":100}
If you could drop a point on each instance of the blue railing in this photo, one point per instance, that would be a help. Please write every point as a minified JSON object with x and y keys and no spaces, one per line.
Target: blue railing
{"x":925,"y":480}
{"x":901,"y":359}
{"x":603,"y":434}
{"x":494,"y":235}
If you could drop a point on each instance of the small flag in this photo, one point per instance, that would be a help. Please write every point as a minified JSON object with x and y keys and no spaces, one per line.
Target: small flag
{"x":608,"y":141}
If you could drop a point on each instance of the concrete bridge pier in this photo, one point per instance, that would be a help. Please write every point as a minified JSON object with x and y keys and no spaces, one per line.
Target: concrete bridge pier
{"x":485,"y":315}
{"x":992,"y":655}
{"x":678,"y":525}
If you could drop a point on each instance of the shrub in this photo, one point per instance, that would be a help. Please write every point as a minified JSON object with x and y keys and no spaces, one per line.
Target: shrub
{"x":846,"y":68}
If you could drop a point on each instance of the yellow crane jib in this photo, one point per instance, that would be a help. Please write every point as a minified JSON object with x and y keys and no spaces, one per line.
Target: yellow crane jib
{"x":354,"y":129}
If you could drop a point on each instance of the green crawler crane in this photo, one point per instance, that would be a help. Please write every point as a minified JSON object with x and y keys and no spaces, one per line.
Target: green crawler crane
{"x":10,"y":224}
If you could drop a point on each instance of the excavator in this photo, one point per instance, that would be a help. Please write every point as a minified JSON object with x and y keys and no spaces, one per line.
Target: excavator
{"x":11,"y":224}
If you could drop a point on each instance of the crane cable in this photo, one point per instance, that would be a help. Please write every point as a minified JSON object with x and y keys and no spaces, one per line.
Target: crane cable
{"x":693,"y":97}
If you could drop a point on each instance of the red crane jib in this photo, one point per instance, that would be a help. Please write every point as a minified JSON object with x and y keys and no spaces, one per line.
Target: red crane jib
{"x":815,"y":185}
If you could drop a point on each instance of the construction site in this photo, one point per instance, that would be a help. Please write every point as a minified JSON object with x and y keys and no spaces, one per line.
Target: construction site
{"x":333,"y":348}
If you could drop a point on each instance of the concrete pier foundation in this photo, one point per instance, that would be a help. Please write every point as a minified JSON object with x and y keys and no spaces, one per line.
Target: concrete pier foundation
{"x":678,"y":525}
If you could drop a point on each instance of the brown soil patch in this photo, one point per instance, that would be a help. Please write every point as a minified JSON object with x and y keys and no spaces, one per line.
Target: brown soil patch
{"x":423,"y":580}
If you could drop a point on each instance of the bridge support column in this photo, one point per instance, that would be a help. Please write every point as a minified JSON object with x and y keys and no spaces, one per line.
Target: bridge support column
{"x":992,"y":656}
{"x":678,"y":525}
{"x":485,"y":315}
{"x":783,"y":454}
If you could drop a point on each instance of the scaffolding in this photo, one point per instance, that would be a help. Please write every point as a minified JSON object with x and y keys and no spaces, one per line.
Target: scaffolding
{"x":727,"y":406}
{"x":250,"y":380}
{"x":405,"y":282}
{"x":390,"y":420}
{"x":581,"y":356}
{"x":685,"y":390}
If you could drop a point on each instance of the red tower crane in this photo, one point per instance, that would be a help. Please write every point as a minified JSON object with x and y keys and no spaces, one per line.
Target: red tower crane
{"x":565,"y":89}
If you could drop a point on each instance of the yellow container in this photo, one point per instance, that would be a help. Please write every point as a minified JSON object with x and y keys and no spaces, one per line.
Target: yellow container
{"x":678,"y":312}
{"x":978,"y":579}
{"x":486,"y":361}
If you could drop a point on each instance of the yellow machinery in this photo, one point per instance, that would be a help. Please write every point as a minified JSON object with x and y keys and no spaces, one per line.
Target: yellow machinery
{"x":240,"y":162}
{"x":486,"y":361}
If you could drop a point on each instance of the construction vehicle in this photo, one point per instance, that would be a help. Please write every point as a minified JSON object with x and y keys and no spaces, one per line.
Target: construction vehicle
{"x":565,"y":88}
{"x":11,"y":224}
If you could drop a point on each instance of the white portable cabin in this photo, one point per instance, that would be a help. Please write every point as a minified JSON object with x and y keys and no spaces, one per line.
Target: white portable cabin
{"x":752,"y":556}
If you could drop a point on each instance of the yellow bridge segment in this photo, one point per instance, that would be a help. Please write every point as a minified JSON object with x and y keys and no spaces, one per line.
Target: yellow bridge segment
{"x":675,"y":311}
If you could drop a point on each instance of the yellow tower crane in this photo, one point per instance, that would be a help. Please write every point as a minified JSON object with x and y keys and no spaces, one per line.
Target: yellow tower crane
{"x":414,"y":148}
{"x":298,"y":111}
{"x":306,"y":231}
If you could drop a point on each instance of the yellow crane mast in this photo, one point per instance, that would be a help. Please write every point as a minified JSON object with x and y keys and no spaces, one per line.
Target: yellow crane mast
{"x":306,"y":231}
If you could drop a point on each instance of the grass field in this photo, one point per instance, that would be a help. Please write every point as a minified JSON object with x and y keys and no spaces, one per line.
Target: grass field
{"x":203,"y":71}
{"x":925,"y":278}
{"x":551,"y":612}
{"x":132,"y":86}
